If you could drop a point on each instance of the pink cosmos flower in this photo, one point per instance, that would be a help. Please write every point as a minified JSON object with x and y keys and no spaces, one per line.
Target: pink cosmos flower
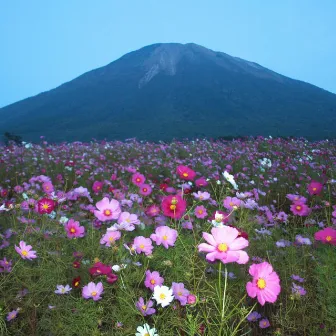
{"x":315,"y":188}
{"x":224,"y":245}
{"x":110,"y":238}
{"x":202,"y":196}
{"x":97,"y":186}
{"x":93,"y":291}
{"x":231,"y":203}
{"x":164,"y":235}
{"x":300,"y":209}
{"x":180,"y":293}
{"x":145,"y":189}
{"x":127,"y":218}
{"x":265,"y":284}
{"x":73,"y":229}
{"x":326,"y":236}
{"x":185,"y":173}
{"x":201,"y":182}
{"x":153,"y":210}
{"x":173,"y":206}
{"x":145,"y":308}
{"x":107,"y":210}
{"x":48,"y":188}
{"x":138,"y":179}
{"x":25,"y":251}
{"x":200,"y":212}
{"x":143,"y":244}
{"x":296,"y":198}
{"x":153,"y":279}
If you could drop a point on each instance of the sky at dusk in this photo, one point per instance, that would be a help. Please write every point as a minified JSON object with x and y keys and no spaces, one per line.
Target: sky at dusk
{"x":46,"y":43}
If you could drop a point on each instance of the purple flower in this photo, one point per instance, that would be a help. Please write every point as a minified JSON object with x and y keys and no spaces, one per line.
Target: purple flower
{"x":93,"y":291}
{"x":297,"y":278}
{"x":153,"y":279}
{"x":298,"y":290}
{"x":63,"y":290}
{"x":254,"y":316}
{"x":12,"y":315}
{"x":145,"y":308}
{"x":299,"y":240}
{"x":180,"y":293}
{"x":5,"y":265}
{"x":264,"y":323}
{"x":164,"y":235}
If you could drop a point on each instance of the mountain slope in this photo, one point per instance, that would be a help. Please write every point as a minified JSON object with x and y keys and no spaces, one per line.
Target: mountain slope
{"x":173,"y":90}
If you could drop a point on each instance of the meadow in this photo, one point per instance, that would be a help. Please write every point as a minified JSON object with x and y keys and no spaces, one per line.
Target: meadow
{"x":183,"y":238}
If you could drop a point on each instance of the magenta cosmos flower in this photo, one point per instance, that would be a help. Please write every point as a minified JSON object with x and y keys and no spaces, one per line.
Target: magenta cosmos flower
{"x":110,"y":238}
{"x":300,"y":209}
{"x":224,"y":244}
{"x":25,"y":251}
{"x":93,"y":291}
{"x":153,"y":279}
{"x":143,"y":244}
{"x":164,"y":235}
{"x":173,"y":206}
{"x":107,"y":210}
{"x":185,"y":173}
{"x":145,"y":189}
{"x":326,"y":236}
{"x":138,"y":179}
{"x":73,"y":229}
{"x":265,"y":284}
{"x":145,"y":308}
{"x":231,"y":203}
{"x":315,"y":188}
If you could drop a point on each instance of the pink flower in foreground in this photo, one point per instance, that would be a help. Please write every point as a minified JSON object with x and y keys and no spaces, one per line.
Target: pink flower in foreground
{"x":265,"y":284}
{"x":224,"y":245}
{"x":110,"y":238}
{"x":142,"y":244}
{"x":326,"y":236}
{"x":73,"y":229}
{"x":164,"y":235}
{"x":153,"y":279}
{"x":300,"y":209}
{"x":107,"y":210}
{"x":93,"y":291}
{"x":25,"y":251}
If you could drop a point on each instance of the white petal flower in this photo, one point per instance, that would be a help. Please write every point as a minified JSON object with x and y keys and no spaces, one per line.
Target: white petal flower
{"x":163,"y":295}
{"x":146,"y":330}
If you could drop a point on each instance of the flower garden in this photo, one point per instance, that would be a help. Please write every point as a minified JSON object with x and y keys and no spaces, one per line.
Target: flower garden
{"x":183,"y":238}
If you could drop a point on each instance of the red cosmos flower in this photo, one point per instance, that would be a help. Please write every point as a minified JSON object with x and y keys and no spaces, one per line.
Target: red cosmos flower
{"x":185,"y":173}
{"x":46,"y":206}
{"x":76,"y":282}
{"x":163,"y":186}
{"x":111,"y":278}
{"x":76,"y":264}
{"x":99,"y":269}
{"x":315,"y":188}
{"x":97,"y":186}
{"x":173,"y":206}
{"x":4,"y":193}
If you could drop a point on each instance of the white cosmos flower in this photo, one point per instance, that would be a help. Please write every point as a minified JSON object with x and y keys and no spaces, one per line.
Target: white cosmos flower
{"x":163,"y":295}
{"x":146,"y":330}
{"x":230,"y":179}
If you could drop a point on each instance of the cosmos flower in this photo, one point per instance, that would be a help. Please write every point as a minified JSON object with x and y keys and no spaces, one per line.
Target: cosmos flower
{"x":173,"y":206}
{"x":25,"y":251}
{"x":138,"y":179}
{"x":45,"y":206}
{"x":73,"y":229}
{"x":254,"y":316}
{"x":200,"y":212}
{"x":265,"y":284}
{"x":163,"y":295}
{"x":12,"y":315}
{"x":93,"y":291}
{"x":326,"y":236}
{"x":185,"y":173}
{"x":145,"y":308}
{"x":146,"y":330}
{"x":315,"y":188}
{"x":264,"y":323}
{"x":164,"y":235}
{"x":224,"y":244}
{"x":230,"y":179}
{"x":143,"y":245}
{"x":180,"y":293}
{"x":110,"y":237}
{"x":153,"y":279}
{"x":107,"y":210}
{"x":145,"y":189}
{"x":300,"y":209}
{"x":201,"y":195}
{"x":63,"y":290}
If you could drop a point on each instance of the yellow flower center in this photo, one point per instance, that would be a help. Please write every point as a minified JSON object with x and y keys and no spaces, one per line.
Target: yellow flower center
{"x":298,"y":207}
{"x":165,"y":237}
{"x":172,"y":207}
{"x":142,"y":246}
{"x":152,"y":281}
{"x":261,"y":283}
{"x":72,"y":230}
{"x":93,"y":293}
{"x":200,"y":212}
{"x":144,"y":189}
{"x":24,"y":252}
{"x":144,"y":307}
{"x":111,"y":239}
{"x":185,"y":174}
{"x":146,"y":334}
{"x":138,"y":180}
{"x":107,"y":212}
{"x":222,"y":247}
{"x":179,"y":293}
{"x":76,"y":283}
{"x":45,"y":206}
{"x":162,"y":296}
{"x":328,"y":238}
{"x":314,"y":189}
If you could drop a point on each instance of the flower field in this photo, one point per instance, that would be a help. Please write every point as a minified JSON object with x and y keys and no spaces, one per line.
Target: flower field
{"x":183,"y":238}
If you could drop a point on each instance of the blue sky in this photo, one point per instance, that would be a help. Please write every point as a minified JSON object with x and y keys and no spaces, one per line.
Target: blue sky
{"x":46,"y":43}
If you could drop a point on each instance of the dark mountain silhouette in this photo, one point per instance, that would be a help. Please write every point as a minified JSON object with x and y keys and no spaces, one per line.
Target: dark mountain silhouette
{"x":172,"y":90}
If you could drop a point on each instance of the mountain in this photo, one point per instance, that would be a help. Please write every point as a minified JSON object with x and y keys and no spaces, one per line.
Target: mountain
{"x":176,"y":90}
